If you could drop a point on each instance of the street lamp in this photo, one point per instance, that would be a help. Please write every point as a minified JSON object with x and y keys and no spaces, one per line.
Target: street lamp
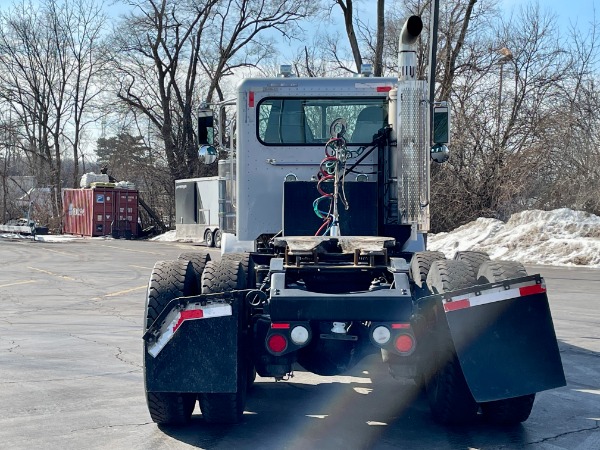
{"x":507,"y":56}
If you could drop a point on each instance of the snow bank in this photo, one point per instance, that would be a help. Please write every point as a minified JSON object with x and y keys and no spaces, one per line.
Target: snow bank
{"x":559,"y":237}
{"x":169,"y":236}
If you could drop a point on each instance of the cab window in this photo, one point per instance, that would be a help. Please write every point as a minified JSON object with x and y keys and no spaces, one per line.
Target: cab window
{"x":307,"y":121}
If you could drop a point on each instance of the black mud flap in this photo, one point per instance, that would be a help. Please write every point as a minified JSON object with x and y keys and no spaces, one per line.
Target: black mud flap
{"x":200,"y":357}
{"x":505,"y":341}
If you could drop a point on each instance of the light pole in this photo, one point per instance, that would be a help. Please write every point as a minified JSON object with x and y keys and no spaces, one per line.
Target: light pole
{"x":507,"y":56}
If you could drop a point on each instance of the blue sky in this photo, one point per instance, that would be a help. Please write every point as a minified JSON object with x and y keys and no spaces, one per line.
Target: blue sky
{"x":567,"y":11}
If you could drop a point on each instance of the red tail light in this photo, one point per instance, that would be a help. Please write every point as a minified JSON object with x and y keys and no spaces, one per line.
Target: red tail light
{"x":404,"y":343}
{"x":277,"y":343}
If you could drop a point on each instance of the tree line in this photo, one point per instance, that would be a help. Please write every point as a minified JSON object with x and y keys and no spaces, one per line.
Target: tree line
{"x":522,"y":91}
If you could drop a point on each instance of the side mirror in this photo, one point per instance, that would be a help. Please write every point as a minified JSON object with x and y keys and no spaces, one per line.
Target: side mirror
{"x":206,"y":128}
{"x":441,"y":123}
{"x":440,"y":153}
{"x":209,"y":153}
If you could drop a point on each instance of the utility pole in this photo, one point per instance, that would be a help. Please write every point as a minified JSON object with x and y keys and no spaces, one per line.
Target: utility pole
{"x":507,"y":56}
{"x":433,"y":43}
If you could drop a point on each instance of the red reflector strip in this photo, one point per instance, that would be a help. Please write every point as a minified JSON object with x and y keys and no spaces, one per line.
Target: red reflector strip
{"x":280,"y":326}
{"x":384,"y":88}
{"x":188,"y":315}
{"x":251,"y":99}
{"x":456,"y":304}
{"x":175,"y":318}
{"x":396,"y":326}
{"x":530,"y":290}
{"x":497,"y":294}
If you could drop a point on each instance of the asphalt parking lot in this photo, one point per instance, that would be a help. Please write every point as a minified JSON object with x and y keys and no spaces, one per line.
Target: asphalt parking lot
{"x":71,"y":369}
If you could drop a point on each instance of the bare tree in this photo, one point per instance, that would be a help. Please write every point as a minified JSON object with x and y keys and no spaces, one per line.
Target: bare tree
{"x":83,"y":24}
{"x":460,"y":18}
{"x":237,"y":35}
{"x":347,"y":8}
{"x":570,"y":174}
{"x":160,"y":47}
{"x":359,"y":35}
{"x":34,"y":78}
{"x":155,"y":62}
{"x":503,"y":109}
{"x":47,"y":63}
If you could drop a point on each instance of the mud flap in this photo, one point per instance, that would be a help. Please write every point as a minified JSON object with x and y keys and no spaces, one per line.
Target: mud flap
{"x":200,"y":357}
{"x":505,"y":342}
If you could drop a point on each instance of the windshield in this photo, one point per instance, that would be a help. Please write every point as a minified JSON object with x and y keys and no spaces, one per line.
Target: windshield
{"x":302,"y":121}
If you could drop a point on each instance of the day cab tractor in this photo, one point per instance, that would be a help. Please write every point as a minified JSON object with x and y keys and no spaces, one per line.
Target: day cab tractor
{"x":328,"y":263}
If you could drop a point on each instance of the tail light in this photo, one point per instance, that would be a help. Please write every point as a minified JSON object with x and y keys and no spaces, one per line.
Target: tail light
{"x":405,"y":344}
{"x":286,"y":337}
{"x":277,"y":343}
{"x":397,"y":337}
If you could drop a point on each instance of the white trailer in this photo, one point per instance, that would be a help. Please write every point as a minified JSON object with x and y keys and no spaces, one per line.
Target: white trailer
{"x":197,"y":209}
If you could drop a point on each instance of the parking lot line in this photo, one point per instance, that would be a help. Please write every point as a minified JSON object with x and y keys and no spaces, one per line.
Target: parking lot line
{"x":53,"y":274}
{"x":18,"y":282}
{"x":126,"y":291}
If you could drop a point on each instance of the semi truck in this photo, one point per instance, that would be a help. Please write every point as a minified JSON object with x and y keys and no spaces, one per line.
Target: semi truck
{"x":329,"y":263}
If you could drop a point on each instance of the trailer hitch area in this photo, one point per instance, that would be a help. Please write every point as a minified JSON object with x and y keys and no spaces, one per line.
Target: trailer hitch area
{"x":182,"y":309}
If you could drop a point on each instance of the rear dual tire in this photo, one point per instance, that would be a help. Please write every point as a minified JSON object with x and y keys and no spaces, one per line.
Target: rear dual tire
{"x":169,"y":280}
{"x":224,"y":276}
{"x":198,"y":260}
{"x":510,"y":411}
{"x":173,"y":279}
{"x":449,"y":396}
{"x":450,"y":399}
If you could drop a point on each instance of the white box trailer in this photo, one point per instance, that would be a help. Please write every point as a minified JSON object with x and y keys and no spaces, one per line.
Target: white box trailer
{"x":197,"y":209}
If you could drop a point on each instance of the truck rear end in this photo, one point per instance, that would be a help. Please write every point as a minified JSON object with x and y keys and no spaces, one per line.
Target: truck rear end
{"x":332,"y":201}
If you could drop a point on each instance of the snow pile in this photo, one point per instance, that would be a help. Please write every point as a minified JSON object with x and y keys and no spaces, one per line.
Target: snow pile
{"x":169,"y":236}
{"x":559,"y":237}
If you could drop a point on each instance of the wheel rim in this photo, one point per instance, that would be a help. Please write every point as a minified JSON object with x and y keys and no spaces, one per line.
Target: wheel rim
{"x":208,"y":237}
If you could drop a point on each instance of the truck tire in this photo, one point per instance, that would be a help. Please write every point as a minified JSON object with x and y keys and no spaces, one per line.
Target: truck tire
{"x":169,"y":280}
{"x":226,"y":276}
{"x":247,"y":265}
{"x":510,"y":411}
{"x":449,"y":275}
{"x":450,"y":399}
{"x":198,"y":261}
{"x":420,"y":265}
{"x":208,"y":238}
{"x":472,"y":259}
{"x":493,"y":271}
{"x":170,"y":408}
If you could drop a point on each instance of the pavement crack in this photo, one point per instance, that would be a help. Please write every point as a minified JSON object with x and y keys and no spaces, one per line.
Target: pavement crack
{"x":119,"y":353}
{"x":119,"y":356}
{"x":108,"y":427}
{"x":566,"y":433}
{"x":50,"y":380}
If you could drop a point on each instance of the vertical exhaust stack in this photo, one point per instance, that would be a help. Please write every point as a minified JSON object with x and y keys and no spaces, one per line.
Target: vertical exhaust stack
{"x":407,"y":48}
{"x":410,"y":129}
